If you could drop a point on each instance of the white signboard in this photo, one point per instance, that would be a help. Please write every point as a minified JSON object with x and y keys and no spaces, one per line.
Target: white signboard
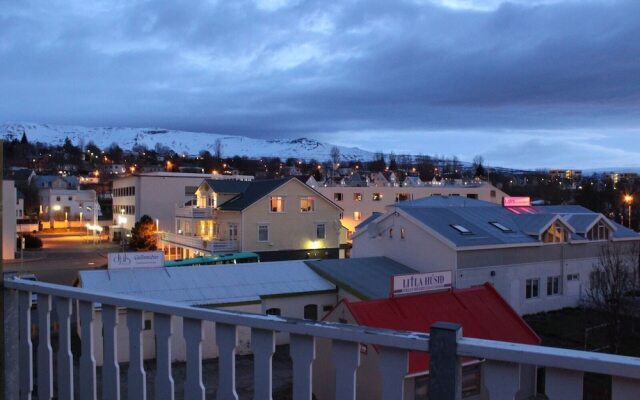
{"x":416,"y":283}
{"x":143,"y":259}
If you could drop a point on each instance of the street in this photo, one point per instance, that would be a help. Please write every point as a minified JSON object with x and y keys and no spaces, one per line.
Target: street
{"x":63,"y":254}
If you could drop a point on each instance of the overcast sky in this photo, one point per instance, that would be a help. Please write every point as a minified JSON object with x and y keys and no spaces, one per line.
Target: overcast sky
{"x":525,"y":83}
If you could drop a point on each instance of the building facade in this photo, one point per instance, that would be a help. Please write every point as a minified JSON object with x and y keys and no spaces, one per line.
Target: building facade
{"x":8,"y":220}
{"x":539,"y":258}
{"x":360,"y":202}
{"x":278,"y":219}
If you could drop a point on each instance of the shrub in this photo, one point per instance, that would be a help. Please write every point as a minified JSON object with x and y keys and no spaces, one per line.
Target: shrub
{"x":30,"y":241}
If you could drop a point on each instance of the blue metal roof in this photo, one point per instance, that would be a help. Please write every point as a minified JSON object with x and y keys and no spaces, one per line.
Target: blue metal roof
{"x":212,"y":285}
{"x":366,"y":277}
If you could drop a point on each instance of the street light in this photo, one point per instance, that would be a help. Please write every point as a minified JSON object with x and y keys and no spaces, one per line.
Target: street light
{"x":628,"y":199}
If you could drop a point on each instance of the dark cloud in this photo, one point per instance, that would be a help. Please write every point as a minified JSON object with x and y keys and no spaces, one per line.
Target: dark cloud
{"x":330,"y":69}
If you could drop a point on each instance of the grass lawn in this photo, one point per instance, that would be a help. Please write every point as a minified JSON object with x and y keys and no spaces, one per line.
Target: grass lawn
{"x":566,"y":328}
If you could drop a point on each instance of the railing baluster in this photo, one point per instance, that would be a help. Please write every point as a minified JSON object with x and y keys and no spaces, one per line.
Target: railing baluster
{"x":136,"y":377}
{"x":64,"y":308}
{"x":192,"y":331}
{"x":110,"y":366}
{"x":26,"y":348}
{"x":501,"y":379}
{"x":625,"y":389}
{"x":563,"y":384}
{"x":164,"y":380}
{"x":227,"y":340}
{"x":45,"y":356}
{"x":393,"y":368}
{"x":11,"y":346}
{"x":303,"y":352}
{"x":87,"y":359}
{"x":263,"y":345}
{"x":346,"y":359}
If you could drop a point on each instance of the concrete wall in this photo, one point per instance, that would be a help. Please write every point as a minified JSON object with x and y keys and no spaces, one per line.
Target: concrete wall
{"x":291,"y":307}
{"x":367,"y":206}
{"x":418,"y":250}
{"x":291,"y":229}
{"x":9,"y":196}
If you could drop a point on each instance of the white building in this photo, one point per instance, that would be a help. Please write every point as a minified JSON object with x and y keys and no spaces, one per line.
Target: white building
{"x":360,"y":202}
{"x":538,"y":257}
{"x":68,"y":205}
{"x":285,"y":288}
{"x":8,"y":220}
{"x":157,"y":194}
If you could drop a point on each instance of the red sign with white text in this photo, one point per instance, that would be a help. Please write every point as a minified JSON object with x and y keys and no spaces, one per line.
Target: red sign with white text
{"x":516,"y":201}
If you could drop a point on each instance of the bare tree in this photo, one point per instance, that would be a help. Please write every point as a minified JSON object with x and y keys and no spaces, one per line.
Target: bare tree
{"x":217,"y":149}
{"x":335,"y":156}
{"x":613,"y":279}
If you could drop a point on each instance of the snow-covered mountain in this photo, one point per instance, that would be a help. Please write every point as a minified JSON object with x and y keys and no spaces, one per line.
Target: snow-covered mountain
{"x":191,"y":143}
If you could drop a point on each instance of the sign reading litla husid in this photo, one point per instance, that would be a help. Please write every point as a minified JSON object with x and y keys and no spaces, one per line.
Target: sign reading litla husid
{"x":143,"y":259}
{"x":417,"y":283}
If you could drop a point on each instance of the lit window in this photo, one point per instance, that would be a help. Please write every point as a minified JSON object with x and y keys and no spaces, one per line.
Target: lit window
{"x":377,"y":196}
{"x":263,"y":233}
{"x":307,"y":204}
{"x":532,"y":286}
{"x":500,"y":226}
{"x":357,"y":197}
{"x":402,"y":233}
{"x":462,"y":229}
{"x":553,"y":285}
{"x":357,"y":215}
{"x":337,"y":197}
{"x":320,"y":231}
{"x":555,"y":234}
{"x":277,"y":204}
{"x":402,"y":197}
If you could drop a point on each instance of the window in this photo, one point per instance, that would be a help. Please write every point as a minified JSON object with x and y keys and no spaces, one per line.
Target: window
{"x":273,"y":311}
{"x":462,"y":229}
{"x":500,"y":226}
{"x":307,"y":204}
{"x":492,"y":193}
{"x":70,"y":198}
{"x":555,"y":234}
{"x":357,"y":215}
{"x":357,"y":197}
{"x":402,"y":197}
{"x":233,"y":232}
{"x":471,"y":383}
{"x":553,"y":285}
{"x":599,"y":232}
{"x":57,"y":198}
{"x":189,"y":190}
{"x":311,"y":312}
{"x":402,"y":233}
{"x":390,"y":233}
{"x":532,"y":288}
{"x":573,"y":277}
{"x":337,"y":196}
{"x":263,"y":233}
{"x":277,"y":204}
{"x":147,"y":324}
{"x":327,"y":308}
{"x":472,"y":196}
{"x":320,"y":231}
{"x":376,"y":196}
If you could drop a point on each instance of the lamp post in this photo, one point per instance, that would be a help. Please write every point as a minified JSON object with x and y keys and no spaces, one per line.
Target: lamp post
{"x":628,"y":199}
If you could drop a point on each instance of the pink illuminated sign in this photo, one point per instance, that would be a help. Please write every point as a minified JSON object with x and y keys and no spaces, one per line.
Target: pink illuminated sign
{"x":516,"y":201}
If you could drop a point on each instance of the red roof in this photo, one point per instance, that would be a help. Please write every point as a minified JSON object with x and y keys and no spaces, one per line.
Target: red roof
{"x":481,"y":311}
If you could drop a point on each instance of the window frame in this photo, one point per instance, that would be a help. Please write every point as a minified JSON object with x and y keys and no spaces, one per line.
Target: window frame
{"x":267,"y":230}
{"x":530,"y":285}
{"x":312,"y":200}
{"x":282,"y":204}
{"x":324,"y":231}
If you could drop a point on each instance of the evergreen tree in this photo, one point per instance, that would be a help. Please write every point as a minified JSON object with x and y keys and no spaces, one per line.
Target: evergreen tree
{"x":143,"y":235}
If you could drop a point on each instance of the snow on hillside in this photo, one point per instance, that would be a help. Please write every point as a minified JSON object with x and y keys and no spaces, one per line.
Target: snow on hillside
{"x":191,"y":143}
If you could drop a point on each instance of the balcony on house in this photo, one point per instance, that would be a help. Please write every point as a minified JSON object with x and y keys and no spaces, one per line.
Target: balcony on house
{"x":501,"y":362}
{"x":194,"y":212}
{"x":201,"y":243}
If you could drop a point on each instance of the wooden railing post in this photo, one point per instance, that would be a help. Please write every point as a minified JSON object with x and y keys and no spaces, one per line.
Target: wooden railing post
{"x":445,"y":369}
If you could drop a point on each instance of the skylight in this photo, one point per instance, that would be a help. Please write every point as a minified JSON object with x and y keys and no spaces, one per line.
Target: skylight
{"x":462,"y":229}
{"x":500,"y":226}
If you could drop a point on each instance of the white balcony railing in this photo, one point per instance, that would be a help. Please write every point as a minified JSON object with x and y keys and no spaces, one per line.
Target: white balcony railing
{"x":222,"y":246}
{"x":194,"y":212}
{"x":501,"y":369}
{"x":195,"y":242}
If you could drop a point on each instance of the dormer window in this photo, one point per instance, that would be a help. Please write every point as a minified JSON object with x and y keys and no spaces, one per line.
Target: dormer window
{"x":462,"y":229}
{"x":500,"y":226}
{"x":600,"y":231}
{"x":556,"y":233}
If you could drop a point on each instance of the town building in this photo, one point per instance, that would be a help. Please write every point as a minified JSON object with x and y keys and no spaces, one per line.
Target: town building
{"x":156,"y":194}
{"x":56,"y":182}
{"x":68,"y":207}
{"x":285,"y":288}
{"x":481,"y":312}
{"x":539,"y":258}
{"x":361,"y":201}
{"x":8,"y":220}
{"x":277,"y":218}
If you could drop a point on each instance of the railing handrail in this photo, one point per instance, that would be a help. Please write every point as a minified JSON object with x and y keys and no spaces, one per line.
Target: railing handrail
{"x":384,"y":337}
{"x":610,"y":364}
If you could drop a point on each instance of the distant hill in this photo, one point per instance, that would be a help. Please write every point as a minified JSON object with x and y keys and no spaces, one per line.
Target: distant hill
{"x":182,"y":142}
